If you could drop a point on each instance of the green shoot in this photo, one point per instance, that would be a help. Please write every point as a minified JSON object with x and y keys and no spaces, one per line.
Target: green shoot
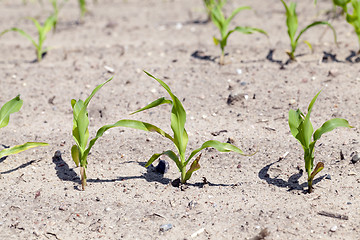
{"x":292,"y":25}
{"x":8,"y":108}
{"x":222,"y":23}
{"x":302,"y":129}
{"x":42,"y":32}
{"x":354,"y":18}
{"x":180,"y":136}
{"x":209,"y":5}
{"x":83,"y":9}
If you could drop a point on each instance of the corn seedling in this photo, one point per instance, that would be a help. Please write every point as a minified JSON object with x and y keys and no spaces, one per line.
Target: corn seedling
{"x":180,"y":136}
{"x":42,"y":32}
{"x":354,"y":18}
{"x":222,"y":23}
{"x":8,"y":108}
{"x":292,"y":25}
{"x":209,"y":5}
{"x":80,"y":132}
{"x":83,"y":9}
{"x":302,"y":129}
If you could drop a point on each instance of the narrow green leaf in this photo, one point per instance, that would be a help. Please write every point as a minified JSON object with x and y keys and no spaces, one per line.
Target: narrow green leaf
{"x":8,"y":108}
{"x":295,"y":120}
{"x":154,"y":104}
{"x":221,"y":147}
{"x":22,"y":33}
{"x":126,"y":123}
{"x":249,"y":30}
{"x":75,"y":154}
{"x":318,"y":168}
{"x":235,"y":12}
{"x":330,"y":125}
{"x":168,"y":153}
{"x":315,"y":24}
{"x":20,"y":148}
{"x":178,"y":119}
{"x":193,"y":167}
{"x":95,"y":90}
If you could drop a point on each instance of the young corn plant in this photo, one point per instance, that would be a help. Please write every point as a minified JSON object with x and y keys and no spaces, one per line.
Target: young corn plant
{"x":42,"y":32}
{"x":8,"y":108}
{"x":302,"y":129}
{"x":354,"y":18}
{"x":222,"y":23}
{"x":292,"y":25}
{"x":83,"y":8}
{"x":180,"y":136}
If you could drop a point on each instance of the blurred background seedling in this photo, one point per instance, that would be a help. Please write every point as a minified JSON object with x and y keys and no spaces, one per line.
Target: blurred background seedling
{"x":42,"y":31}
{"x":8,"y":108}
{"x":292,"y":25}
{"x":301,"y":128}
{"x":222,"y":23}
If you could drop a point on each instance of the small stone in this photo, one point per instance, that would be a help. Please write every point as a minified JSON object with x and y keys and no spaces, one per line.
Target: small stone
{"x":351,"y":173}
{"x":109,"y":69}
{"x":192,"y":204}
{"x":328,"y":177}
{"x":355,"y":158}
{"x":166,"y":227}
{"x":292,"y":101}
{"x":162,"y":167}
{"x":239,"y":71}
{"x":333,"y":228}
{"x":108,"y":209}
{"x":243,"y":83}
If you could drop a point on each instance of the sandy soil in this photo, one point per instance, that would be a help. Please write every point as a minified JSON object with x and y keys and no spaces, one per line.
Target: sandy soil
{"x":40,"y":196}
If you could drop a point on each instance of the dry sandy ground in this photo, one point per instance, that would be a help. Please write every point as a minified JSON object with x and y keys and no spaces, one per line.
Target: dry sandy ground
{"x":40,"y":196}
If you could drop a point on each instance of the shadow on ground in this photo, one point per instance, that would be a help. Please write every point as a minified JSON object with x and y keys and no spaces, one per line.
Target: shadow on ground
{"x":292,"y":183}
{"x":65,"y":173}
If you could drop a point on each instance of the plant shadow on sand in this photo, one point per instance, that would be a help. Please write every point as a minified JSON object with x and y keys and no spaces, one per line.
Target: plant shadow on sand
{"x":291,"y":184}
{"x":65,"y":173}
{"x":24,"y":165}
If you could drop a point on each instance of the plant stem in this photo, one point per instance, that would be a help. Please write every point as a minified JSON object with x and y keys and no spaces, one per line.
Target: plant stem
{"x":222,"y":58}
{"x":183,"y":174}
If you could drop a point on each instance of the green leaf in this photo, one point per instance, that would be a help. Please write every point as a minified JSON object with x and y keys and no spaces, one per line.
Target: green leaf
{"x":126,"y":123}
{"x":95,"y":90}
{"x":75,"y":154}
{"x":22,"y":33}
{"x":168,"y":153}
{"x":295,"y":120}
{"x":8,"y":108}
{"x":154,"y":104}
{"x":318,"y":168}
{"x":20,"y":148}
{"x":178,"y":119}
{"x":313,"y":25}
{"x":235,"y":12}
{"x":221,"y":147}
{"x":194,"y":167}
{"x":330,"y":125}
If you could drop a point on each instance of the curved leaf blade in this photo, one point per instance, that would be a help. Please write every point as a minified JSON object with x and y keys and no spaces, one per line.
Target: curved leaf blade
{"x":194,"y":167}
{"x":220,"y":146}
{"x":20,"y":148}
{"x":8,"y":108}
{"x":168,"y":153}
{"x":126,"y":123}
{"x":153,"y":104}
{"x":330,"y":125}
{"x":95,"y":90}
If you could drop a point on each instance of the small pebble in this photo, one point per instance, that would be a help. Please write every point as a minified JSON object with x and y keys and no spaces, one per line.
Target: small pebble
{"x":355,"y":158}
{"x":109,"y":69}
{"x":162,"y":167}
{"x":328,"y":177}
{"x":108,"y":209}
{"x":239,"y":71}
{"x":333,"y":228}
{"x":166,"y":227}
{"x":292,"y":101}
